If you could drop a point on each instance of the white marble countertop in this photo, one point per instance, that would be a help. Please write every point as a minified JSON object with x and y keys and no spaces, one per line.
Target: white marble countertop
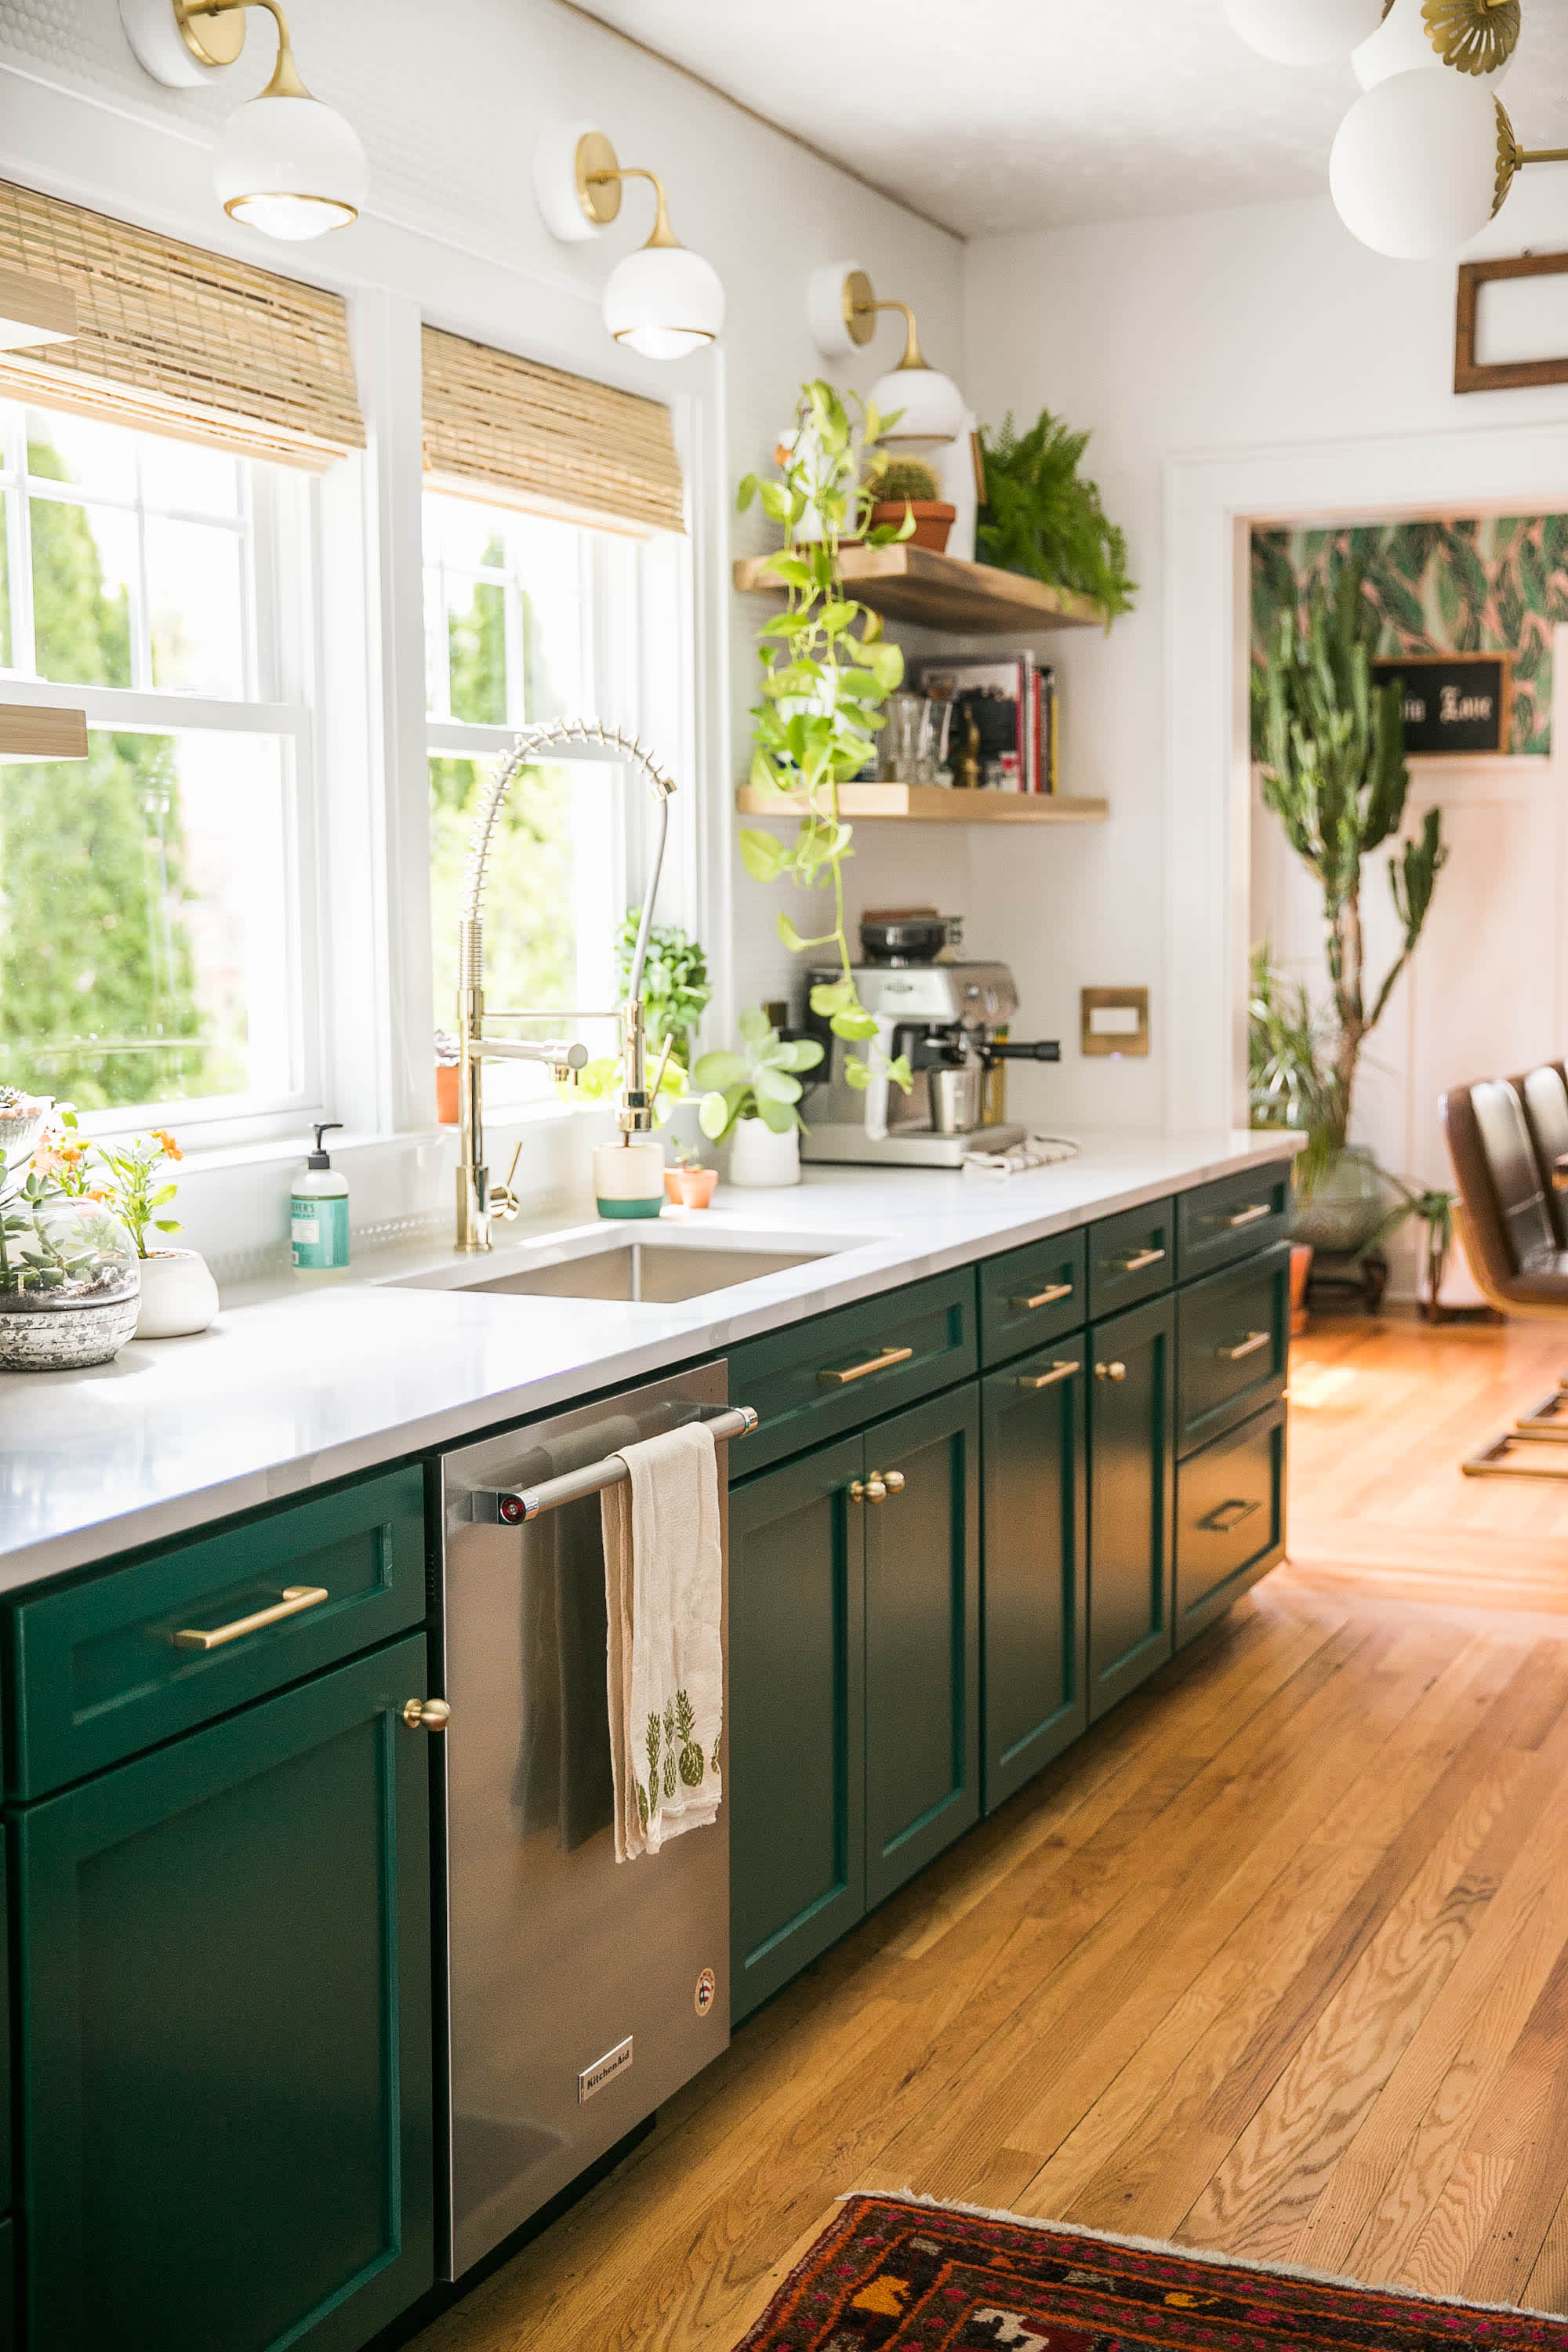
{"x":317,"y":1384}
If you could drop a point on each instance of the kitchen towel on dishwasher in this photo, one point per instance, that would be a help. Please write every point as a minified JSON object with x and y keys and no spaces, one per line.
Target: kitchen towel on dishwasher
{"x":664,"y":1597}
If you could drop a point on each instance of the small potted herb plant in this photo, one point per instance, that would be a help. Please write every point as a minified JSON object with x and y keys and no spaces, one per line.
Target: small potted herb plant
{"x":179,"y":1296}
{"x":751,"y":1099}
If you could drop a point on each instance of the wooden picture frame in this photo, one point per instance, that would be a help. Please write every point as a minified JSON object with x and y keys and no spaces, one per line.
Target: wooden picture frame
{"x":1506,"y":375}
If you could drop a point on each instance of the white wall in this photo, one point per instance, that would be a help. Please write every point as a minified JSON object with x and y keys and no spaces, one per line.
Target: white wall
{"x":449,"y":102}
{"x":1221,"y":335}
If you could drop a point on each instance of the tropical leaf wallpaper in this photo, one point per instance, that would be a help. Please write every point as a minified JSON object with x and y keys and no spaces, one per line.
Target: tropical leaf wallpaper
{"x":1497,"y":584}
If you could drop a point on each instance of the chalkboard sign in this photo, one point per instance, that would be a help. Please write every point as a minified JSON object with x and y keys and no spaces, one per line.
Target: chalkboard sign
{"x":1454,"y":703}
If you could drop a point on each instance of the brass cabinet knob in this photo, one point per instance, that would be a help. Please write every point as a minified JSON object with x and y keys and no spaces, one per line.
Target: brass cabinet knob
{"x":869,"y":1490}
{"x":426,"y":1715}
{"x":892,"y":1479}
{"x":1110,"y":1372}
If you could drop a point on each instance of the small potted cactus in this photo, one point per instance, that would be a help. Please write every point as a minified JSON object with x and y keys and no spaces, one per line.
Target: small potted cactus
{"x":910,"y":482}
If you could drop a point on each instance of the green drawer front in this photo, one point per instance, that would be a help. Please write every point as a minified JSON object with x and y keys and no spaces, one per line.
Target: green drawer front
{"x":5,"y":2075}
{"x":1233,"y":1344}
{"x":1230,"y":1518}
{"x":1220,"y":1222}
{"x":1032,"y":1296}
{"x":10,"y":2333}
{"x":818,"y":1380}
{"x":1132,"y":1257}
{"x":101,"y":1670}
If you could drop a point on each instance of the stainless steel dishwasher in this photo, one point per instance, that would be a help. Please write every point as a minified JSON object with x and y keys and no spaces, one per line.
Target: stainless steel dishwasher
{"x":581,"y":1991}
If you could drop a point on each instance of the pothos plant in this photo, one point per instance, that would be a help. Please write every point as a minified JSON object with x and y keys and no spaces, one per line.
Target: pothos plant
{"x":826,"y":675}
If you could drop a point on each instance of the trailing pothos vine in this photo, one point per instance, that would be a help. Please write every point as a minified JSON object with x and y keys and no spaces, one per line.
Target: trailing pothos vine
{"x":826,"y":675}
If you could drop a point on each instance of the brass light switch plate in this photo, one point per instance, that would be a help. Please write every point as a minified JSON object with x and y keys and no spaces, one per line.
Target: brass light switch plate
{"x":1115,"y":1022}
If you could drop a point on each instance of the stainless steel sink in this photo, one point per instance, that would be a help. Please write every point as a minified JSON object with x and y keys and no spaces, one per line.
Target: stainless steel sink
{"x":652,"y":1272}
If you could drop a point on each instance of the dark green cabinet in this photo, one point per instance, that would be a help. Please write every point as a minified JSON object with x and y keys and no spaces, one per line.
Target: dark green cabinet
{"x":854,"y":1681}
{"x":227,"y":2102}
{"x":797,"y":1757}
{"x":1131,"y":1499}
{"x":1034,"y":1582}
{"x":922,"y":1636}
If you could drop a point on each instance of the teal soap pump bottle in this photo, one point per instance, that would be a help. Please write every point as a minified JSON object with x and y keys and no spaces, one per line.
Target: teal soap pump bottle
{"x":319,"y":1212}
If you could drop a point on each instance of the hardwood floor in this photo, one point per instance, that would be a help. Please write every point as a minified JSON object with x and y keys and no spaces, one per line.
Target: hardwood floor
{"x":1274,"y":1962}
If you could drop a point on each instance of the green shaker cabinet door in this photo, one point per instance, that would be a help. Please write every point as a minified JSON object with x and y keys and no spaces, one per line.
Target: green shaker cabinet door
{"x":1131,"y":1499}
{"x":227,"y":2125}
{"x":1035,"y":1594}
{"x":797,"y":1878}
{"x":922,"y":1637}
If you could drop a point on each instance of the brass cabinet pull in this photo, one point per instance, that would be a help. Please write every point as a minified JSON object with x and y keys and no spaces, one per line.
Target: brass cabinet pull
{"x":873,"y":1489}
{"x":1110,"y":1372}
{"x":1050,"y":1380}
{"x":294,"y":1598}
{"x":1139,"y":1261}
{"x":892,"y":1482}
{"x":426,"y":1715}
{"x":1224,"y":1516}
{"x":1247,"y":1216}
{"x":858,"y":1371}
{"x":1047,"y":1297}
{"x":1247,"y":1346}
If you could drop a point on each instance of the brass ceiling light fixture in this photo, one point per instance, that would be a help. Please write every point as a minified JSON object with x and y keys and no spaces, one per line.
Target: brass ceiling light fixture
{"x":664,"y":301}
{"x":284,"y":164}
{"x":1474,"y":37}
{"x":842,"y":310}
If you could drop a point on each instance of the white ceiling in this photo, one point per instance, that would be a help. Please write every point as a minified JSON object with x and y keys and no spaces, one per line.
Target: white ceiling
{"x":990,"y":115}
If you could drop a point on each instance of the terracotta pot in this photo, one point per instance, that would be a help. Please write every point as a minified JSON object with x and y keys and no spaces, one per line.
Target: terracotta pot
{"x":448,"y":1105}
{"x":1301,"y":1267}
{"x":932,"y":520}
{"x":672,"y":1186}
{"x":696,"y":1186}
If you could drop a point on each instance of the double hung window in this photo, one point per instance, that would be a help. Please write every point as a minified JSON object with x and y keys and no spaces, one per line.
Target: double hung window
{"x":152,"y":954}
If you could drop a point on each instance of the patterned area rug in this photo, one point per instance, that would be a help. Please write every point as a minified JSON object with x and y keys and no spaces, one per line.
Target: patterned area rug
{"x":895,"y":2275}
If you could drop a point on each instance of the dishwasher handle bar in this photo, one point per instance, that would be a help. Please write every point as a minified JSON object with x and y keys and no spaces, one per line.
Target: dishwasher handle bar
{"x":506,"y":1506}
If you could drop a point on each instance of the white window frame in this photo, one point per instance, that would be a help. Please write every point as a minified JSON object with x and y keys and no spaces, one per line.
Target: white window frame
{"x":278,"y":514}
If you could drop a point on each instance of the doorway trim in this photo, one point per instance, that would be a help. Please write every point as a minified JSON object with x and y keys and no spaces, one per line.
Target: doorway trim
{"x":1213,"y":499}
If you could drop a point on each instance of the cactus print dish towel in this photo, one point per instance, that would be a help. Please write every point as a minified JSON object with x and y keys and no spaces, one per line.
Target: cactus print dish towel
{"x":895,"y":2274}
{"x":664,"y":1596}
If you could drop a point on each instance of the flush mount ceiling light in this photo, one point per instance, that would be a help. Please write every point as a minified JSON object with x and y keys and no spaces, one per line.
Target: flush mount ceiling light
{"x":841,"y":307}
{"x":284,"y":164}
{"x":34,"y":310}
{"x":663,"y":300}
{"x":1474,"y":37}
{"x":1304,"y":32}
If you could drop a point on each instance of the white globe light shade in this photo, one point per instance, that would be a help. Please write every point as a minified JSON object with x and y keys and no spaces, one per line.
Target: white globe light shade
{"x":1402,"y":43}
{"x":289,"y":167}
{"x":928,"y":404}
{"x":1414,"y":167}
{"x":1304,"y":32}
{"x":663,"y":301}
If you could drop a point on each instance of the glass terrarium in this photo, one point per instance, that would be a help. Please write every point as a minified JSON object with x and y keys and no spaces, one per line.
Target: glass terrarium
{"x":69,"y":1282}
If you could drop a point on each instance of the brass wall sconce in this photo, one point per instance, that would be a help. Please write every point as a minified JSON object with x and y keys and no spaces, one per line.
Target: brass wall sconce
{"x":842,"y":309}
{"x":662,"y":301}
{"x":284,"y":164}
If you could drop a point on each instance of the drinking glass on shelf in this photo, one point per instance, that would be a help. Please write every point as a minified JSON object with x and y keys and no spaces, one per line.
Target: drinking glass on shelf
{"x":907,"y":754}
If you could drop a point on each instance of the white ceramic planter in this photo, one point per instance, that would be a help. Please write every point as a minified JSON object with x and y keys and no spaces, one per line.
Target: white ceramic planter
{"x":761,"y":1159}
{"x":629,"y":1179}
{"x":179,"y":1296}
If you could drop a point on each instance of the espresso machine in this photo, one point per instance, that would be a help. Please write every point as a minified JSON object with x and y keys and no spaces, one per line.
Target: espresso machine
{"x":947,"y":1017}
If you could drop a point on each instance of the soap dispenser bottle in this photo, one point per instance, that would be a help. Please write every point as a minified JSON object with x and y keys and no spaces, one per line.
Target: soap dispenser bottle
{"x":319,"y":1212}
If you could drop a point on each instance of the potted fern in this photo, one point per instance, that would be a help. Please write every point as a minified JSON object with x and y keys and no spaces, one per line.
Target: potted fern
{"x":1043,"y":517}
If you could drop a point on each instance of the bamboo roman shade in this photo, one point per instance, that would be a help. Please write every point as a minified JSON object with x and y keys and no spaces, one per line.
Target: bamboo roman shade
{"x":500,"y":427}
{"x":176,"y":340}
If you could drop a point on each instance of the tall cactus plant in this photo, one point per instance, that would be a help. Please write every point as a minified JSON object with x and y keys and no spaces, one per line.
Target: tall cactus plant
{"x":1331,"y":747}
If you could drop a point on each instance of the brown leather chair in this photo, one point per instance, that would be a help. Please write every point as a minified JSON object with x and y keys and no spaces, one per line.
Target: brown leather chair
{"x":1505,"y":1212}
{"x":1544,"y":1094}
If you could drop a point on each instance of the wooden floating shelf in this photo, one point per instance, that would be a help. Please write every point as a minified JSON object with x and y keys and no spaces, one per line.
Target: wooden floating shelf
{"x":37,"y":731}
{"x":935,"y":805}
{"x":944,"y":592}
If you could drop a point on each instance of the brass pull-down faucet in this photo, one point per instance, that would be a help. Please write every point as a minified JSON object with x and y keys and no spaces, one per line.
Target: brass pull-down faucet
{"x":478,"y":1206}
